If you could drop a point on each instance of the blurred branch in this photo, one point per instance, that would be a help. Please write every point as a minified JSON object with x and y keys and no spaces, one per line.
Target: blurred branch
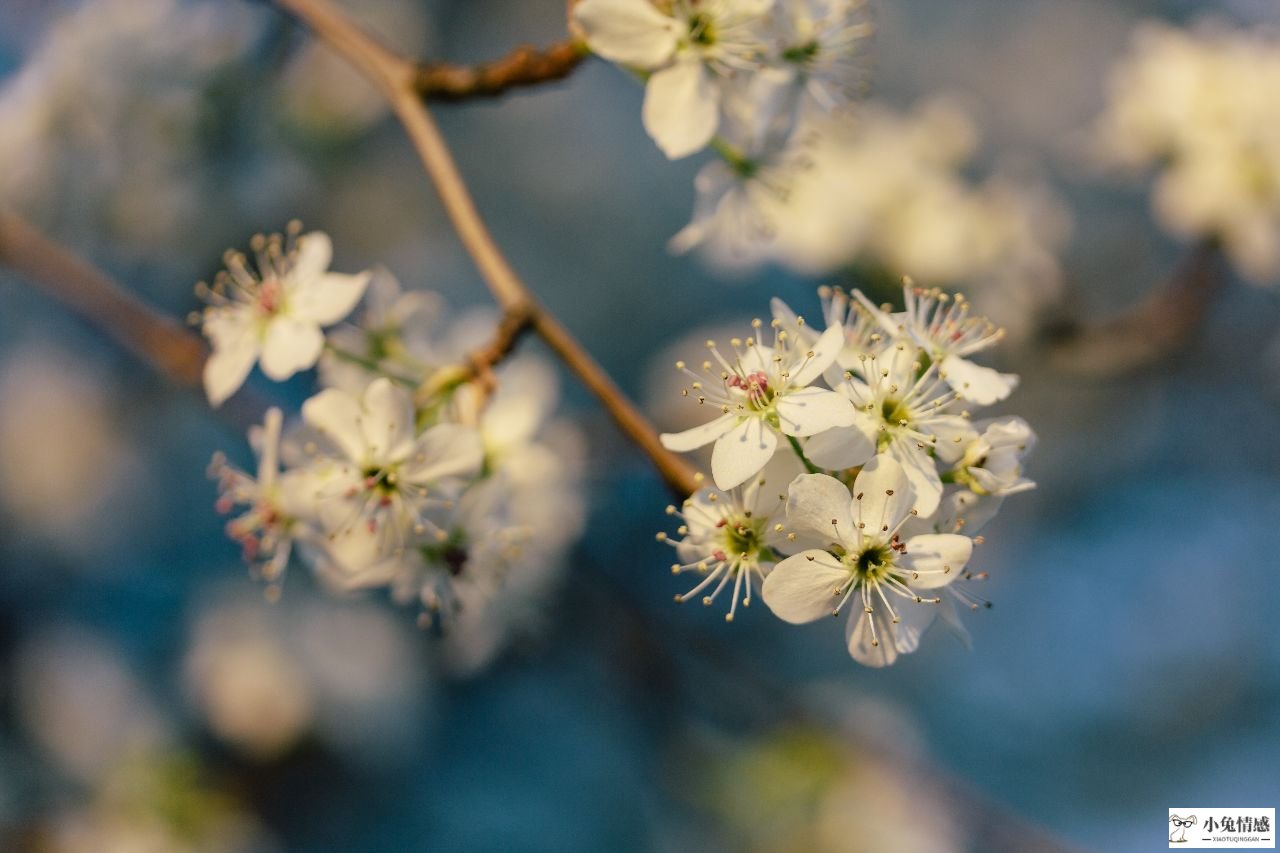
{"x":524,"y":66}
{"x":163,"y":343}
{"x":396,"y":78}
{"x":1159,"y":326}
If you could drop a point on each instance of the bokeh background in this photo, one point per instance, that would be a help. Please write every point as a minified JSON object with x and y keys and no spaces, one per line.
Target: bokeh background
{"x":151,"y":698}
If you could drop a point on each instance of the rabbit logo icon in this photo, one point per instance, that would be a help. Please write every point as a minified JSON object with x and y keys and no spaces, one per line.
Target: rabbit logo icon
{"x":1180,"y":827}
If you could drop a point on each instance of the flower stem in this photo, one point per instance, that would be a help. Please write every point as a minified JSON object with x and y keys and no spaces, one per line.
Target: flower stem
{"x":369,"y":365}
{"x":808,"y":466}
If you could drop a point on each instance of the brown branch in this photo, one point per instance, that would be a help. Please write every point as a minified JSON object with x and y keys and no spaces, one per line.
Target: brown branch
{"x":524,"y":66}
{"x":165,"y":344}
{"x":1153,"y":330}
{"x":395,"y":77}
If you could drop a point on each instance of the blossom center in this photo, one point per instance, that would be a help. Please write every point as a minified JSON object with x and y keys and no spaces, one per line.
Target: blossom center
{"x":755,"y":386}
{"x":801,"y":53}
{"x":271,"y":296}
{"x":876,"y":562}
{"x":702,"y":29}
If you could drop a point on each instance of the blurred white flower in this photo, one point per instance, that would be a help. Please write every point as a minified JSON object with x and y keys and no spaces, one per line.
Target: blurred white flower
{"x":324,"y":95}
{"x":155,"y":804}
{"x":823,"y":45}
{"x":390,"y":338}
{"x":56,"y":425}
{"x":884,"y":194}
{"x":246,"y":682}
{"x":762,"y":392}
{"x":266,"y":676}
{"x":276,"y":504}
{"x":82,"y":702}
{"x":740,"y":195}
{"x":103,"y":119}
{"x":865,"y":558}
{"x":377,"y":477}
{"x":1199,"y":107}
{"x":275,"y":313}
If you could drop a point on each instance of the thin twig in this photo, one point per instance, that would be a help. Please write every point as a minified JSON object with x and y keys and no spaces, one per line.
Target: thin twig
{"x":396,"y":78}
{"x":524,"y":66}
{"x":165,"y":344}
{"x":1153,"y":330}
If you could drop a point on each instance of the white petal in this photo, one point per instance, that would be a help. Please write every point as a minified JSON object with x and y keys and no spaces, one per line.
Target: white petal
{"x":692,"y":439}
{"x":966,"y":511}
{"x":766,"y":495}
{"x":387,"y":421}
{"x":328,"y":298}
{"x":820,"y":505}
{"x":844,"y":447}
{"x":290,"y":345}
{"x":920,"y":470}
{"x":954,"y":435}
{"x":894,"y":324}
{"x":913,"y":620}
{"x":226,"y":369}
{"x":870,"y":648}
{"x":824,"y":350}
{"x":803,"y":588}
{"x":742,"y":452}
{"x":681,"y":110}
{"x":336,"y":415}
{"x":445,"y":450}
{"x":947,"y":613}
{"x":801,"y":335}
{"x":315,"y":251}
{"x":809,"y":411}
{"x":934,"y":560}
{"x":882,"y":495}
{"x":711,"y":207}
{"x":975,"y":383}
{"x":266,"y":443}
{"x":632,"y":32}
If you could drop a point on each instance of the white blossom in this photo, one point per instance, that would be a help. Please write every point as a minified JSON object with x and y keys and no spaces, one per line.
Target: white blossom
{"x":908,"y":411}
{"x":1198,"y":106}
{"x":939,"y":323}
{"x":735,"y":536}
{"x":741,"y":194}
{"x":823,"y":45}
{"x":274,"y":313}
{"x":762,"y":392}
{"x":689,"y":47}
{"x":390,"y":337}
{"x":275,"y":504}
{"x":893,"y":580}
{"x":992,"y":462}
{"x":376,"y":478}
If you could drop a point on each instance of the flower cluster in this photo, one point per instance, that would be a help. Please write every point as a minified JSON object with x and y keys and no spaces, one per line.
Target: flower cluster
{"x":1198,"y":106}
{"x":884,"y":192}
{"x":412,"y":469}
{"x":105,"y":120}
{"x":848,"y":470}
{"x":717,"y":70}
